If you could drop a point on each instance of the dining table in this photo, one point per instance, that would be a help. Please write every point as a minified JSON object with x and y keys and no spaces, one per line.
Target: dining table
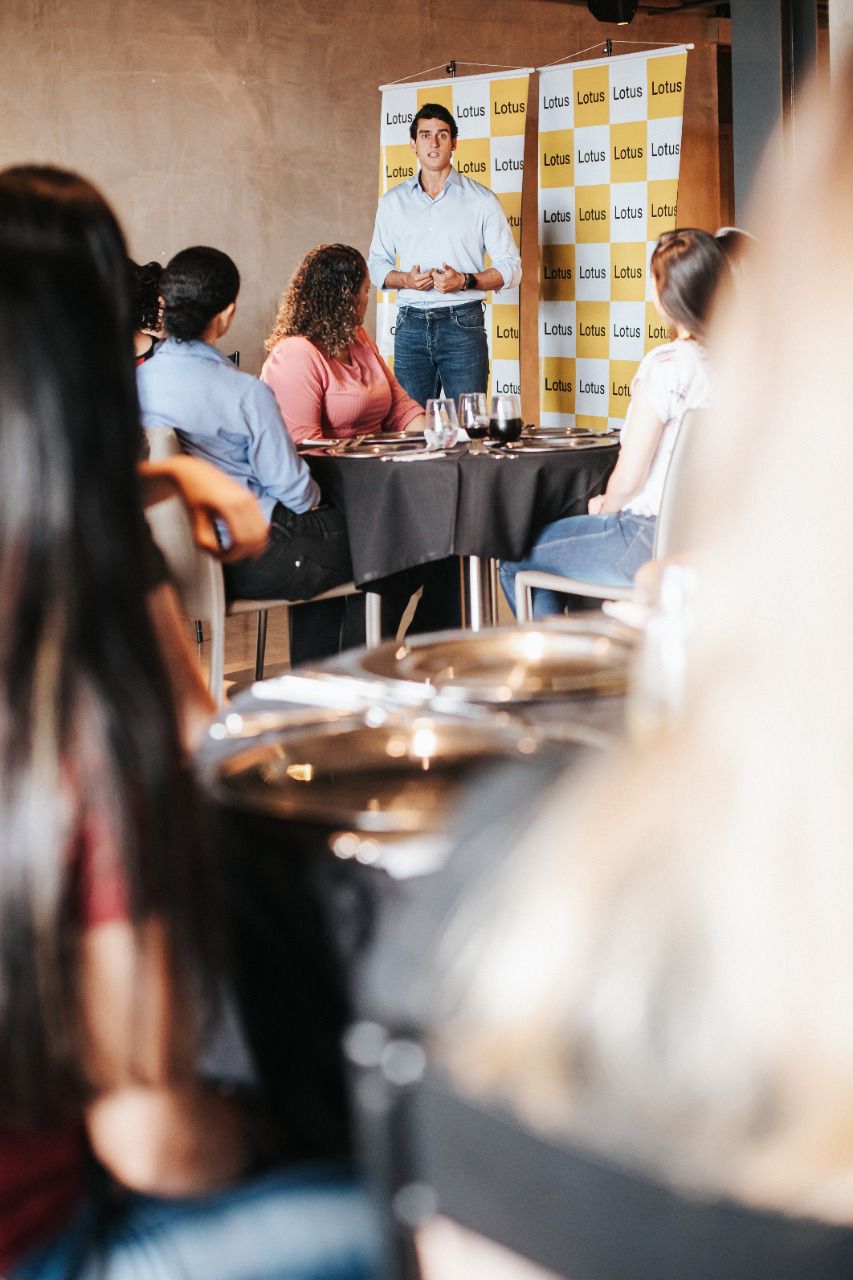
{"x":406,"y":507}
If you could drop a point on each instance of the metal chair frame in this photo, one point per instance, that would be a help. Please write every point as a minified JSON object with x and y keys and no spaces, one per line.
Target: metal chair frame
{"x":529,"y":579}
{"x":200,"y":583}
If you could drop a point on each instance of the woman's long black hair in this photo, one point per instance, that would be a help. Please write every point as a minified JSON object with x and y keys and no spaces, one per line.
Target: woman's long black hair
{"x":79,"y":663}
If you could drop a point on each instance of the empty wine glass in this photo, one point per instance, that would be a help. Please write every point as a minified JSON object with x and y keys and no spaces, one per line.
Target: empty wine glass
{"x":474,"y":417}
{"x":505,"y":418}
{"x":441,"y":426}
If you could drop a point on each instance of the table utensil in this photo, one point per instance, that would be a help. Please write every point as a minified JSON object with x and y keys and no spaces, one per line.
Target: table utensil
{"x":441,"y":425}
{"x":505,"y":422}
{"x":421,"y":456}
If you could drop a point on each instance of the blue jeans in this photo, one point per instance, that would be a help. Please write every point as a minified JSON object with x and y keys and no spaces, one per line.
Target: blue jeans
{"x":444,"y":346}
{"x":308,"y":1223}
{"x":605,"y":549}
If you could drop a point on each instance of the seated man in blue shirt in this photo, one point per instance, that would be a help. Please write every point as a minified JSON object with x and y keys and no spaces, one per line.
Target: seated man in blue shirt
{"x":440,"y":225}
{"x":231,"y":419}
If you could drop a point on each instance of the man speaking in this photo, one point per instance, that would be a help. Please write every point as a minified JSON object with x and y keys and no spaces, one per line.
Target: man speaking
{"x":440,"y":225}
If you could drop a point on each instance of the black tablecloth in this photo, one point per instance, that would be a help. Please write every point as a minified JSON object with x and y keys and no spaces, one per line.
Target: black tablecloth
{"x":401,"y":514}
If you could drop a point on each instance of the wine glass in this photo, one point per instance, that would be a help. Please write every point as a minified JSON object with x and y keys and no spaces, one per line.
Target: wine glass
{"x":474,"y":417}
{"x":441,"y":426}
{"x":505,"y":418}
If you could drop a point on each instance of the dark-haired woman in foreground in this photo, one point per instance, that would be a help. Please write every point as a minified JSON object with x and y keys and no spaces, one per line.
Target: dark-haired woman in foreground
{"x":106,"y":955}
{"x":611,"y":543}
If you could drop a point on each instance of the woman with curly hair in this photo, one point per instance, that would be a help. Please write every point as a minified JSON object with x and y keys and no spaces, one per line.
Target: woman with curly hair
{"x":325,"y":371}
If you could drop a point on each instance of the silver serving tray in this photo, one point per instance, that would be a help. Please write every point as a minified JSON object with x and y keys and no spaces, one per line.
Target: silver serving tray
{"x":380,"y":449}
{"x":343,"y":444}
{"x":557,"y":444}
{"x":400,"y":777}
{"x":536,"y":433}
{"x":504,"y":665}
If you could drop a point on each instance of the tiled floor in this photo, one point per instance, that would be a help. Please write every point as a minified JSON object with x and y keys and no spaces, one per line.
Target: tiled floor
{"x":240,"y":639}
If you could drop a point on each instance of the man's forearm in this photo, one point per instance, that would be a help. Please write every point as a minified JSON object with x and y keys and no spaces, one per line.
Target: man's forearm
{"x":489,"y":280}
{"x":395,"y":280}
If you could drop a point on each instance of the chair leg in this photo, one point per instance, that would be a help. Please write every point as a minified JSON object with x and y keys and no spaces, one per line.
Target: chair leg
{"x":495,"y":582}
{"x":217,"y":658}
{"x":372,"y":619}
{"x":523,"y":602}
{"x":262,"y":644}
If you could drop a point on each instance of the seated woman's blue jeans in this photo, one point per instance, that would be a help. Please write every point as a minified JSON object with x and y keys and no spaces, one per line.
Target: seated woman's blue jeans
{"x":604,"y":549}
{"x":302,"y":1223}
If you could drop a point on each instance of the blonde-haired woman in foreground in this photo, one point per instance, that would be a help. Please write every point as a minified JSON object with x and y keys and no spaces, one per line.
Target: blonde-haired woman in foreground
{"x":665,"y":973}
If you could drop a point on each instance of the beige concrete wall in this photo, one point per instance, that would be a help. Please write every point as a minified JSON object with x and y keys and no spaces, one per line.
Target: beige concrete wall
{"x":252,"y":125}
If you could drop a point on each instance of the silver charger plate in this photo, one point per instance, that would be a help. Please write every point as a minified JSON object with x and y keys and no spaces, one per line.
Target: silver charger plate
{"x":401,"y":776}
{"x":388,"y":441}
{"x":503,"y":665}
{"x":557,"y":444}
{"x":376,"y":449}
{"x":550,"y":433}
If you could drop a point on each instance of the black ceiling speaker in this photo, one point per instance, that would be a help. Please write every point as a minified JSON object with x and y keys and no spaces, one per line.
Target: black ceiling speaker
{"x":618,"y":11}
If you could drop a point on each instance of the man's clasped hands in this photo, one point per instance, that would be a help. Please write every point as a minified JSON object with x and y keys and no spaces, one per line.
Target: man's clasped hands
{"x":445,"y":279}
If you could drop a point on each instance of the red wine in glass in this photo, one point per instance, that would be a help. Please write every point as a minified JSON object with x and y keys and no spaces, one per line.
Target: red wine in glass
{"x":477,"y":426}
{"x":505,"y":430}
{"x":505,"y":422}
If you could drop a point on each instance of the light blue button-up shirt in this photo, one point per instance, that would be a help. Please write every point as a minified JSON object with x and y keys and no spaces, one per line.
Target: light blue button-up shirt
{"x":458,"y":227}
{"x":228,"y":418}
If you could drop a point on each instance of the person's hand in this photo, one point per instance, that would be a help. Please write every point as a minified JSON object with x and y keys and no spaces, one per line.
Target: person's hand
{"x":595,"y":504}
{"x":209,"y":495}
{"x":447,"y":279}
{"x":417,"y":279}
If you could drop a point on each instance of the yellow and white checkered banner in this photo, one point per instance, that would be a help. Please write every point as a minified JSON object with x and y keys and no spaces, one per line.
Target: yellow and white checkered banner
{"x":490,"y":111}
{"x":609,"y":151}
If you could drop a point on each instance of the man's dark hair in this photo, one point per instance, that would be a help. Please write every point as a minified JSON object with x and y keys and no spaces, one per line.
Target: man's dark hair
{"x":197,"y":284}
{"x":433,"y":111}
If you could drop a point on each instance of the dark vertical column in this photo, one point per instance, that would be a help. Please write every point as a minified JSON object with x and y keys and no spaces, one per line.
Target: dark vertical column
{"x":800,"y":43}
{"x":757,"y":92}
{"x":800,"y":32}
{"x":773,"y":47}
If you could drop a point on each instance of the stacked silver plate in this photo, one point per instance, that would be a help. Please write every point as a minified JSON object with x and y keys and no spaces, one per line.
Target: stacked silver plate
{"x":504,"y":665}
{"x":365,"y":446}
{"x":397,"y":777}
{"x":375,"y":749}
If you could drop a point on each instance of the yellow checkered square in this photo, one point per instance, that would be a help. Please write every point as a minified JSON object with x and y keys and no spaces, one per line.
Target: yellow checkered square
{"x":593,"y":320}
{"x":558,"y":385}
{"x":593,"y":214}
{"x":555,"y":158}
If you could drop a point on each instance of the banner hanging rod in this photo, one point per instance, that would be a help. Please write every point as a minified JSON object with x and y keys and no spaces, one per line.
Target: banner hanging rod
{"x":607,"y":47}
{"x":451,"y":68}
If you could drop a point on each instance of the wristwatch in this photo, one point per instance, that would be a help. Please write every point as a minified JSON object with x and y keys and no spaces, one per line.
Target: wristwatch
{"x":471,"y":281}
